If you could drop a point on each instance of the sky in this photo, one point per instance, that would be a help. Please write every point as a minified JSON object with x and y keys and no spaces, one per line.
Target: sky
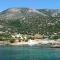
{"x":35,"y":4}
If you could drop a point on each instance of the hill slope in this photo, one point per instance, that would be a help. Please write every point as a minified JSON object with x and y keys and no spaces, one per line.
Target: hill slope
{"x":26,"y":20}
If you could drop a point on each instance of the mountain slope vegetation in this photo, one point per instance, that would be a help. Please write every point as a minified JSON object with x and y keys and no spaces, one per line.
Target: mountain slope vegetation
{"x":26,"y":20}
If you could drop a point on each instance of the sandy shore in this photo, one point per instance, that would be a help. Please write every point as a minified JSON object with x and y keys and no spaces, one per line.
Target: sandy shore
{"x":33,"y":42}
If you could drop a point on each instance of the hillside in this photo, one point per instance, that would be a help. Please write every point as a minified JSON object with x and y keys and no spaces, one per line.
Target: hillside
{"x":26,"y":20}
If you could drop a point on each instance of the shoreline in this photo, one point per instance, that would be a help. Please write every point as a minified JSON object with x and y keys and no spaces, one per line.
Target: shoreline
{"x":42,"y":43}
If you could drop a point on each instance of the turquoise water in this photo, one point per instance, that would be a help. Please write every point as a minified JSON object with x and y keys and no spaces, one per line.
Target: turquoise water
{"x":28,"y":53}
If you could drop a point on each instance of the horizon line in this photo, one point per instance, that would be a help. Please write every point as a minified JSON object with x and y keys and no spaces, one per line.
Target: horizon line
{"x":27,"y":7}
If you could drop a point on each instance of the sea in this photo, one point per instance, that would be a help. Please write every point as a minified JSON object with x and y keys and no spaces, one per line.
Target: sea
{"x":29,"y":53}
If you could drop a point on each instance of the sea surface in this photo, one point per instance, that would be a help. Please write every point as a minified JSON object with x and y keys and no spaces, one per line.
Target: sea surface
{"x":29,"y":53}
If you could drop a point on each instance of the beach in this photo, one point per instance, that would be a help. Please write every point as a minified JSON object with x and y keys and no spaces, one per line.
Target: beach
{"x":30,"y":42}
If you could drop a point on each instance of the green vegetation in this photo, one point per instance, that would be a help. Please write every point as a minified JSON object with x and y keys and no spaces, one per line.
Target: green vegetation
{"x":5,"y":37}
{"x":43,"y":22}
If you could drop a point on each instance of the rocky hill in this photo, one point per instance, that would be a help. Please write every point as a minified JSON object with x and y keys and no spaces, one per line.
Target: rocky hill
{"x":26,"y":20}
